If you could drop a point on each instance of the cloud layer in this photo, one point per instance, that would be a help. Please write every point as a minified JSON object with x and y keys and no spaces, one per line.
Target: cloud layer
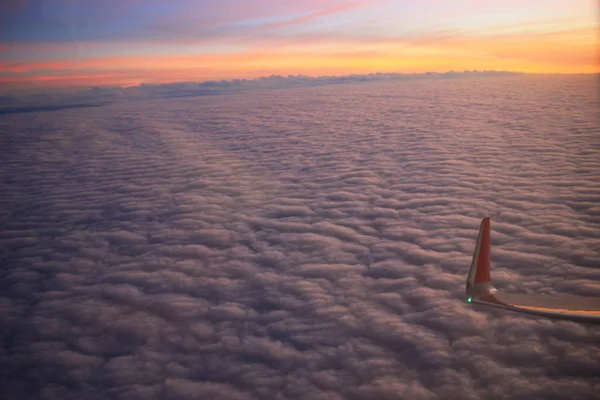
{"x":309,"y":243}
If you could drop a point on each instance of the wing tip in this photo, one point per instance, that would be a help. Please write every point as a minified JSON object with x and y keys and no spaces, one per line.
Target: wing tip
{"x":479,"y":274}
{"x":484,"y":260}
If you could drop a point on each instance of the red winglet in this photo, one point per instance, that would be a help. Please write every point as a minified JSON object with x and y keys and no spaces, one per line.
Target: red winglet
{"x":483,"y":260}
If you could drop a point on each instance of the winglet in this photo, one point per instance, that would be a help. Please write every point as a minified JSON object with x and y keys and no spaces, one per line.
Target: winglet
{"x":479,"y":274}
{"x":480,"y":290}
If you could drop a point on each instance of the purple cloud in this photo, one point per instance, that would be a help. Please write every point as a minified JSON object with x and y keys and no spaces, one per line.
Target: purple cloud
{"x":296,"y":241}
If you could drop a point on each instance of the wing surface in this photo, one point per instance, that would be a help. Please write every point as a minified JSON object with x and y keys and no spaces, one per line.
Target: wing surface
{"x":479,"y":289}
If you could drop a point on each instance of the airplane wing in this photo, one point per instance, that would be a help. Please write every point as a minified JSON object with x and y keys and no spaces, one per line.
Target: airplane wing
{"x":481,"y":291}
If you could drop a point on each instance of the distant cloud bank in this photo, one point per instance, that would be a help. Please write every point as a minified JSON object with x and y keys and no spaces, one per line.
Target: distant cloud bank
{"x":52,"y":100}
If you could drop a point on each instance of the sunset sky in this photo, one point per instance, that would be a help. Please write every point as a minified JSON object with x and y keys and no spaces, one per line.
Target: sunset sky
{"x":127,"y":42}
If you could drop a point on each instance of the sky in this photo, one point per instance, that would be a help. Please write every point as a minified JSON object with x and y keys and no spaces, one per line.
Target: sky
{"x":127,"y":42}
{"x":301,"y":244}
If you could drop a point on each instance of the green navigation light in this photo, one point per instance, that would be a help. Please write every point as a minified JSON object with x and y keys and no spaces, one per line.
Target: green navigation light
{"x":470,"y":299}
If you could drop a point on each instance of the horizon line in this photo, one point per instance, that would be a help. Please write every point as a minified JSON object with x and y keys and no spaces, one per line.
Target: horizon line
{"x":258,"y":77}
{"x":8,"y":87}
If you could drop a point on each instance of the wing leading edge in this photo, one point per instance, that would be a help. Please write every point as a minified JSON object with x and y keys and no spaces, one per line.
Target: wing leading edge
{"x":481,"y":291}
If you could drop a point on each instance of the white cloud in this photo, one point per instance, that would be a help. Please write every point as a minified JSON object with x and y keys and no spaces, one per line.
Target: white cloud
{"x":303,"y":243}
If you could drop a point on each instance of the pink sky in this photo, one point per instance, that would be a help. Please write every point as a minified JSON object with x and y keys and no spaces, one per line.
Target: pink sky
{"x":65,"y":42}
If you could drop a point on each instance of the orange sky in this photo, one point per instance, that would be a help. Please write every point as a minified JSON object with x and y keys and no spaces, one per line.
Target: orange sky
{"x":307,"y":37}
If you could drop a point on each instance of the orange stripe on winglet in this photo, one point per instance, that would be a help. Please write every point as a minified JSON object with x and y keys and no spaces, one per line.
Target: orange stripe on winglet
{"x":483,"y":260}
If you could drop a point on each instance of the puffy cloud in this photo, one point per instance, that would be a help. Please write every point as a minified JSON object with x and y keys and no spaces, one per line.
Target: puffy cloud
{"x":303,"y":243}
